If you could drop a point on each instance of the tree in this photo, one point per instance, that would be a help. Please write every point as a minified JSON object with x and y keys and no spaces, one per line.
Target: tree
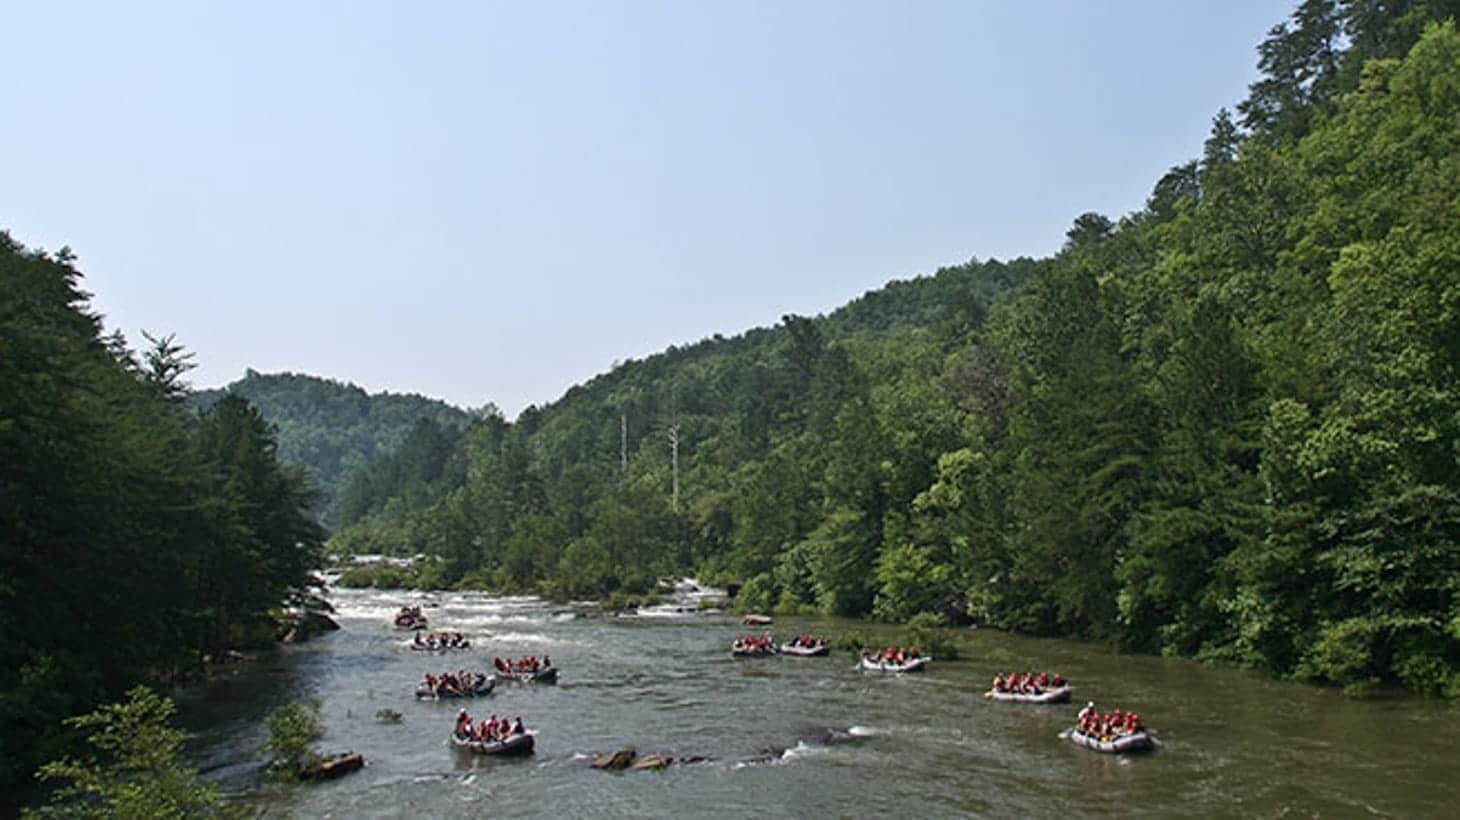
{"x":137,"y":775}
{"x":1220,"y":147}
{"x":1299,"y":62}
{"x":1089,"y":230}
{"x":293,"y":729}
{"x":261,"y":543}
{"x":164,"y":365}
{"x":1180,"y":184}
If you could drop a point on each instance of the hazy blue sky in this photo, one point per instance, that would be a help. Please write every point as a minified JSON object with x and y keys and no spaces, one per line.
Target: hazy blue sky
{"x":491,"y":202}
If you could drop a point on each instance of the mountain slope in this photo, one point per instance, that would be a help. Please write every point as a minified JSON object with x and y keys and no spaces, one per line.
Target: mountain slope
{"x":333,"y":428}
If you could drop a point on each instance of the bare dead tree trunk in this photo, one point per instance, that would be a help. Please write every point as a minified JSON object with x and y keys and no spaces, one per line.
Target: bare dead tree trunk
{"x":623,"y":445}
{"x":674,"y":462}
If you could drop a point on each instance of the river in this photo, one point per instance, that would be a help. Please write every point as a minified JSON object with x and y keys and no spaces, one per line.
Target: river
{"x":1233,"y":743}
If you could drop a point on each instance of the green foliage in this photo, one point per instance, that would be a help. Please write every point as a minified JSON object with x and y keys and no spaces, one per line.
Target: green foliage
{"x":382,"y":576}
{"x":840,"y":553}
{"x":336,"y":430}
{"x":755,"y":596}
{"x":911,"y":583}
{"x":293,"y":729}
{"x":625,"y":599}
{"x":131,"y":769}
{"x":259,"y":508}
{"x":853,"y":641}
{"x":1344,"y":654}
{"x":929,"y":634}
{"x":137,"y":538}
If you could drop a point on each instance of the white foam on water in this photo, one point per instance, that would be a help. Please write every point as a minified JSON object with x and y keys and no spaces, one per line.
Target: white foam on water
{"x":384,"y":610}
{"x":385,"y":604}
{"x":863,"y":731}
{"x":492,"y":620}
{"x":482,"y":599}
{"x":803,"y":750}
{"x":663,"y":612}
{"x":524,"y":637}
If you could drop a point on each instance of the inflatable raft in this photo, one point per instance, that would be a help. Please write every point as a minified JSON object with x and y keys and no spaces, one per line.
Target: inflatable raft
{"x":422,"y":647}
{"x":805,"y":651}
{"x":1138,"y":742}
{"x":514,"y":745}
{"x":1059,"y":695}
{"x":873,"y":665}
{"x":740,"y":650}
{"x":547,"y":674}
{"x":483,"y":688}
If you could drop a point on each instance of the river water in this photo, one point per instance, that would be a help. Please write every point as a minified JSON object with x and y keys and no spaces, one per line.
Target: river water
{"x":1233,"y":743}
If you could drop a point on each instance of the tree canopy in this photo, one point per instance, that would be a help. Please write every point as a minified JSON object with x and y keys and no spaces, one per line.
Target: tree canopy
{"x":135,"y":536}
{"x":334,"y":430}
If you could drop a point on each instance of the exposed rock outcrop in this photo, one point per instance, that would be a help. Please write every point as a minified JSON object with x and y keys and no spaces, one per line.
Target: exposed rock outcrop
{"x":332,"y":767}
{"x":307,"y":625}
{"x":629,"y":759}
{"x":615,"y":761}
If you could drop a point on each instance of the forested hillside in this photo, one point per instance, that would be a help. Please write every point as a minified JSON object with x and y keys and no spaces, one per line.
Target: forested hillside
{"x":333,"y":429}
{"x":608,"y":446}
{"x":136,"y":536}
{"x":1225,"y":426}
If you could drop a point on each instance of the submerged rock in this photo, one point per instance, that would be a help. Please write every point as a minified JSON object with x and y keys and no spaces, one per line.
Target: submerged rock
{"x":831,"y":737}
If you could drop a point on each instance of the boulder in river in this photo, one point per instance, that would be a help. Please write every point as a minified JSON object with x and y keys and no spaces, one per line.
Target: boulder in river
{"x":652,"y":763}
{"x":629,"y":759}
{"x":616,"y":761}
{"x":307,"y":626}
{"x":332,"y":767}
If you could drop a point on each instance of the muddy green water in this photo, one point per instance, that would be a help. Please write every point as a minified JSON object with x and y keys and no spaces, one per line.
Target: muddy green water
{"x":1232,"y":743}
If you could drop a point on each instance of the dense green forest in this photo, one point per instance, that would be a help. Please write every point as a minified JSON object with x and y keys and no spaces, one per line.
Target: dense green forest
{"x":1225,"y":426}
{"x":136,"y":536}
{"x":332,"y":429}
